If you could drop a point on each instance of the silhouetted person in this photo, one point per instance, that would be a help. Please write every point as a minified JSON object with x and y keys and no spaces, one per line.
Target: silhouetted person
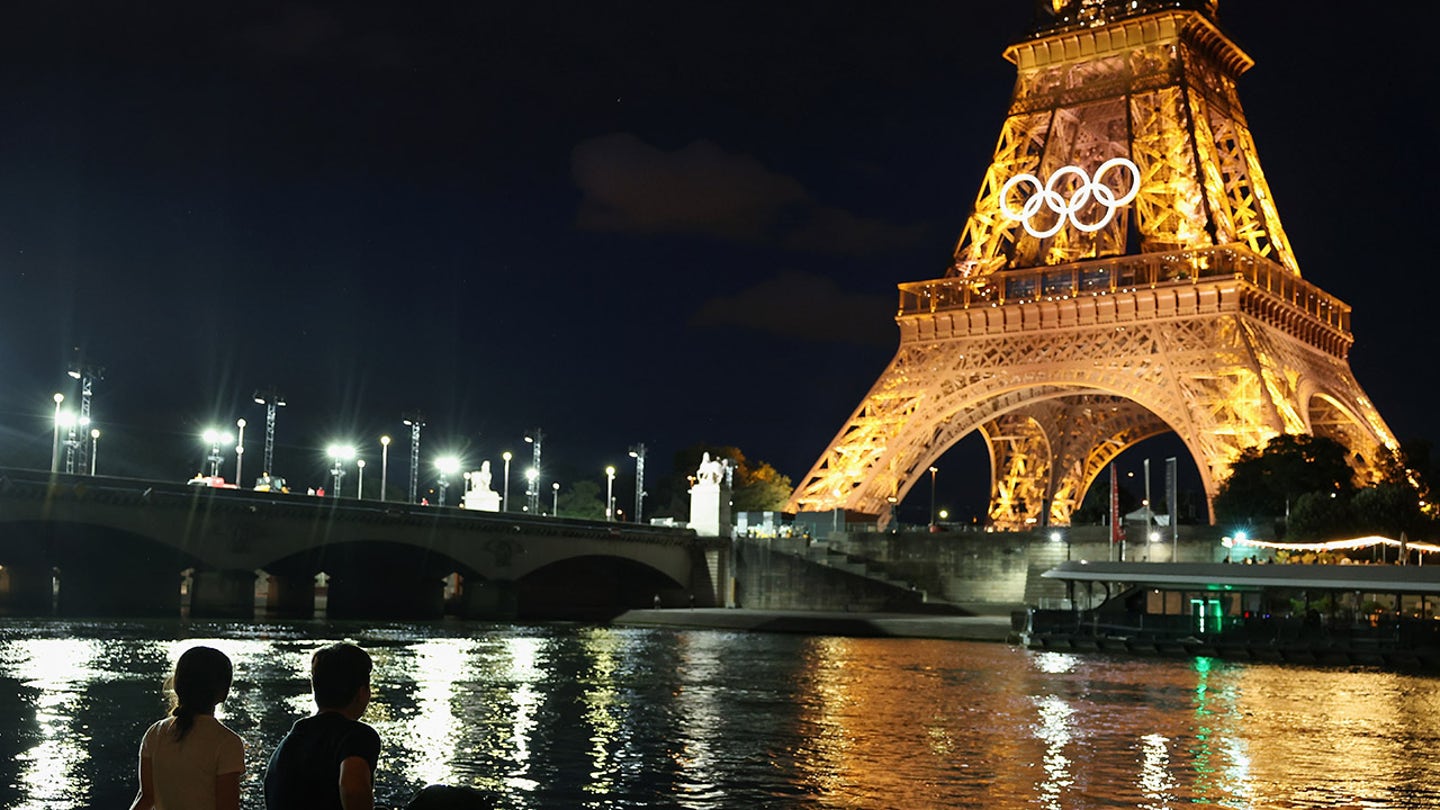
{"x":327,"y":761}
{"x":191,"y":760}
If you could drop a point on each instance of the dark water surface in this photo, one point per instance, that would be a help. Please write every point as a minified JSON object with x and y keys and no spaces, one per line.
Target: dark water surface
{"x":572,"y":716}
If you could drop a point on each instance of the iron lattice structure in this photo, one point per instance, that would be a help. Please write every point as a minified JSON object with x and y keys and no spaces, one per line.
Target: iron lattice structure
{"x":1062,"y":346}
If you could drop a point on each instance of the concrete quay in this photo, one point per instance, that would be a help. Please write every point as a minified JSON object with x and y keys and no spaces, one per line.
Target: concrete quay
{"x":827,"y":623}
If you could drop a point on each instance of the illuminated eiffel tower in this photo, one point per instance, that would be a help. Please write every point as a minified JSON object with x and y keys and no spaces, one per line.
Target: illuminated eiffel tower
{"x":1123,"y":274}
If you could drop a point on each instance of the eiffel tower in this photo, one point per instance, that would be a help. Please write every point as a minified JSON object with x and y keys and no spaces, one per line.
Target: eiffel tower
{"x":1122,"y":275}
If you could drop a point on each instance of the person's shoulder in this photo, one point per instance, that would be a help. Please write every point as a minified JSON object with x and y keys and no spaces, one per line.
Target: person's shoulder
{"x":155,"y":734}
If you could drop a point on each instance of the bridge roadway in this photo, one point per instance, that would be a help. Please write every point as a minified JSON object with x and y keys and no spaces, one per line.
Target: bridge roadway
{"x":73,"y":545}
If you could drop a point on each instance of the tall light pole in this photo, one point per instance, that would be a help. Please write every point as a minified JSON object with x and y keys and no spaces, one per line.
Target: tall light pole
{"x":384,"y":464}
{"x":415,"y":420}
{"x":448,"y":466}
{"x":88,"y":375}
{"x":55,"y":449}
{"x":215,"y":438}
{"x":505,"y":497}
{"x":555,"y":503}
{"x":272,"y":401}
{"x":532,"y":494}
{"x":637,"y":452}
{"x":94,"y":448}
{"x":609,"y":493}
{"x":341,"y":454}
{"x":360,"y":479}
{"x":239,"y":451}
{"x":532,"y":477}
{"x":66,"y":420}
{"x":933,"y":470}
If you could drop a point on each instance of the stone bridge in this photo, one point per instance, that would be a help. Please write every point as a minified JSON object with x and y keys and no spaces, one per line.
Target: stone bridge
{"x":85,"y":546}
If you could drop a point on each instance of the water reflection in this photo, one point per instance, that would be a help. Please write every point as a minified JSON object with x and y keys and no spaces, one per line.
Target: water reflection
{"x":571,"y":716}
{"x":59,"y":671}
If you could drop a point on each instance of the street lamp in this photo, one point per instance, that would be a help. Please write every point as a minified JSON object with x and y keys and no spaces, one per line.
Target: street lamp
{"x":55,"y":451}
{"x":532,"y":505}
{"x":94,"y":448}
{"x":448,"y":466}
{"x":555,"y":504}
{"x":933,"y":470}
{"x":239,"y":449}
{"x":384,"y":464}
{"x":533,"y":493}
{"x":609,"y":493}
{"x":638,"y":453}
{"x":360,"y":479}
{"x":341,"y":454}
{"x":215,"y":438}
{"x":505,"y":497}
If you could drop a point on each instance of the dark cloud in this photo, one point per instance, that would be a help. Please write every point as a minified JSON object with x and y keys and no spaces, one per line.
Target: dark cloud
{"x":841,"y":233}
{"x":701,"y":189}
{"x":806,"y":307}
{"x":698,"y":189}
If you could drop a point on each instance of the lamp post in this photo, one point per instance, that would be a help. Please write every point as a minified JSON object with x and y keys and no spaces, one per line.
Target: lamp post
{"x":94,"y":448}
{"x":415,"y":420}
{"x":933,"y":470}
{"x":341,"y":454}
{"x":272,"y":401}
{"x":532,"y":476}
{"x":359,"y":479}
{"x":555,"y":502}
{"x":239,"y":450}
{"x":533,"y":492}
{"x":215,"y":438}
{"x":505,"y":496}
{"x":609,"y":493}
{"x":638,"y":453}
{"x":448,"y":466}
{"x":55,"y":450}
{"x":384,"y":464}
{"x":87,"y":374}
{"x":66,"y":420}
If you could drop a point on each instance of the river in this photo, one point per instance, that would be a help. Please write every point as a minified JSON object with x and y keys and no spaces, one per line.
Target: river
{"x":579,"y":716}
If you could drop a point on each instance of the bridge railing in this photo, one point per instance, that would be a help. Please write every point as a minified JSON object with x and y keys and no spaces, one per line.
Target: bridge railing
{"x":41,"y":484}
{"x":1121,"y":274}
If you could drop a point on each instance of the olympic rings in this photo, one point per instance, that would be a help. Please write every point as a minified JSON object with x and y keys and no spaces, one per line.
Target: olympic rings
{"x":1088,"y":187}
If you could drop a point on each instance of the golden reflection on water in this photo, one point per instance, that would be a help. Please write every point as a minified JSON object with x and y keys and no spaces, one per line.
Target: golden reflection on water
{"x":699,"y":706}
{"x":602,"y":711}
{"x":429,"y":731}
{"x":625,"y":718}
{"x":61,"y":670}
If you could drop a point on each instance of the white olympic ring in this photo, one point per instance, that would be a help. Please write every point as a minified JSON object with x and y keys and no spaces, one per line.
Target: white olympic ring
{"x":1088,"y":187}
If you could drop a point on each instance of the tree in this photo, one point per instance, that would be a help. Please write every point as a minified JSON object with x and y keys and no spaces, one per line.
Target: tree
{"x":758,"y":486}
{"x":1317,"y":516}
{"x":1095,"y":508}
{"x":1264,"y":482}
{"x":1389,"y":509}
{"x":583,"y":500}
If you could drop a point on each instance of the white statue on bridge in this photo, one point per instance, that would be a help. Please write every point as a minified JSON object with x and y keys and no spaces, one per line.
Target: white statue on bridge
{"x":710,"y":498}
{"x":711,"y":471}
{"x":478,"y":494}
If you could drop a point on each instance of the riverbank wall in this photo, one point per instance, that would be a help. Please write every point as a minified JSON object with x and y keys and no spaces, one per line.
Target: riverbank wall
{"x":961,"y":572}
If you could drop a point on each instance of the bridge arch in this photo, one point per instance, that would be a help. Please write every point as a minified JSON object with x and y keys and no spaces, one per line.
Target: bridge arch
{"x":596,"y":586}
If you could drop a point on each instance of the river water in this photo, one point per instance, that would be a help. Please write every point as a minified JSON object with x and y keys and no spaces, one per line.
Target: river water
{"x":578,"y":716}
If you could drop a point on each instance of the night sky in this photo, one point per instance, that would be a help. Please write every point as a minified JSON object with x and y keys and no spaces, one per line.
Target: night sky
{"x":618,"y":222}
